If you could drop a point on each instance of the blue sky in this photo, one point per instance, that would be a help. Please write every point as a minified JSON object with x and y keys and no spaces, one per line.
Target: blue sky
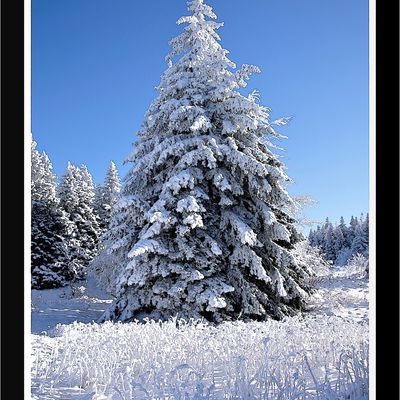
{"x":95,"y":64}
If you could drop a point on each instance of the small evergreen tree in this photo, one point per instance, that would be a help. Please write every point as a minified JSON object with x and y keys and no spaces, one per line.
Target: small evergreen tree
{"x":42,"y":177}
{"x":343,"y":227}
{"x":312,"y":238}
{"x":201,"y":229}
{"x":76,"y":192}
{"x":351,"y":231}
{"x":50,"y":229}
{"x":50,"y":256}
{"x":329,"y":242}
{"x":342,"y":247}
{"x":339,"y":240}
{"x":340,"y":243}
{"x":365,"y":228}
{"x":360,"y":244}
{"x":106,"y":195}
{"x":103,"y":265}
{"x":98,"y":201}
{"x":318,"y":237}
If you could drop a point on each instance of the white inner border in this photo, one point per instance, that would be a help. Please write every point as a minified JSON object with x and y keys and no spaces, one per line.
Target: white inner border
{"x":27,"y":200}
{"x":372,"y":199}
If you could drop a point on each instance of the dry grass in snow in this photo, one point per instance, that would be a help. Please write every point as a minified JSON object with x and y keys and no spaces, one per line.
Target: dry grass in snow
{"x":317,"y":357}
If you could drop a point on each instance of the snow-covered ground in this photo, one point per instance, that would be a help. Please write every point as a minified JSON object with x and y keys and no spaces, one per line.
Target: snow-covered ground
{"x":322,"y":355}
{"x":343,"y":293}
{"x":83,"y":303}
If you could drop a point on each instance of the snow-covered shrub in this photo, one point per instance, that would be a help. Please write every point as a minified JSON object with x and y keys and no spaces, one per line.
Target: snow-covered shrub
{"x":357,"y":266}
{"x":312,"y":358}
{"x":312,"y":258}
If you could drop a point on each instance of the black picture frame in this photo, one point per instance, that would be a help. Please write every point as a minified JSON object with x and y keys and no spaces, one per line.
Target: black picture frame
{"x":12,"y":202}
{"x":12,"y":199}
{"x":387,"y":200}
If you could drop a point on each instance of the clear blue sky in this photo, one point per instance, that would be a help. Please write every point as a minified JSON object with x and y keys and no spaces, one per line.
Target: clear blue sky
{"x":95,"y":64}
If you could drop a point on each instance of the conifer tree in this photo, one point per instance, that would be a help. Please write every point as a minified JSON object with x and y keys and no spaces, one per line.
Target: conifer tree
{"x":76,"y":192}
{"x":343,"y":227}
{"x":318,"y":236}
{"x":361,"y":239}
{"x":106,"y":195}
{"x":345,"y":240}
{"x":366,"y":233}
{"x":50,"y":228}
{"x":339,"y":240}
{"x":329,"y":242}
{"x":312,"y":238}
{"x":98,"y":200}
{"x":202,"y":228}
{"x":42,"y":177}
{"x":359,"y":245}
{"x":351,"y":231}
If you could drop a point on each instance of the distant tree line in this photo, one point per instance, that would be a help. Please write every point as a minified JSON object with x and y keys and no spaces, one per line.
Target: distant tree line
{"x":68,"y":218}
{"x":338,"y":243}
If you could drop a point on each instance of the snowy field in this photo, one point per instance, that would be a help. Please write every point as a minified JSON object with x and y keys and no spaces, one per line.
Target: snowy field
{"x":323,"y":355}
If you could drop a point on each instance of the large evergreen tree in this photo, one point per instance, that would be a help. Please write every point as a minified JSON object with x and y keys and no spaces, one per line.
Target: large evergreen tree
{"x":50,"y":228}
{"x":201,"y":229}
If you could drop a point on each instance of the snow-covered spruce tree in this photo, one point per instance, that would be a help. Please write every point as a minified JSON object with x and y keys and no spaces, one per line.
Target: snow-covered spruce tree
{"x":50,"y":228}
{"x":76,"y":192}
{"x":328,"y":245}
{"x":201,"y":228}
{"x":365,"y":228}
{"x":339,"y":239}
{"x":343,"y":227}
{"x":42,"y":177}
{"x":360,"y":243}
{"x":316,"y":237}
{"x":106,"y":195}
{"x":98,"y":200}
{"x":351,"y":231}
{"x":346,"y":240}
